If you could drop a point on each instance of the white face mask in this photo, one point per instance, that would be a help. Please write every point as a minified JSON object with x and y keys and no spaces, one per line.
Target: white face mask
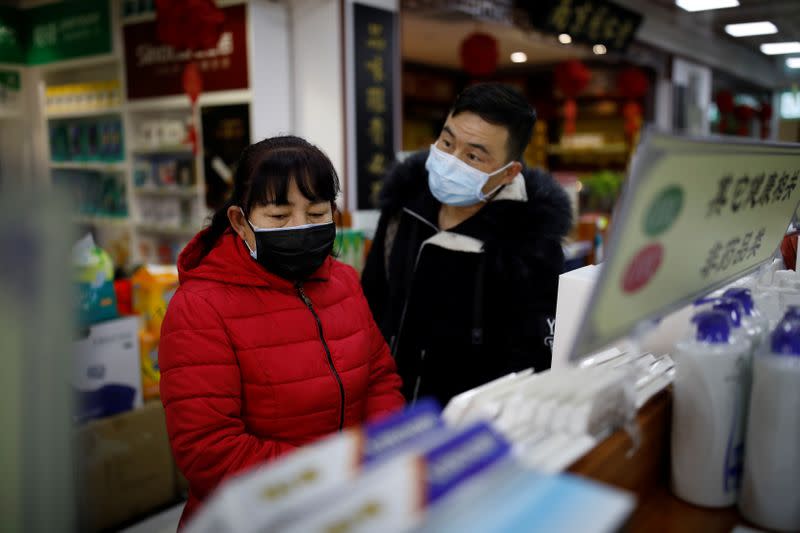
{"x":453,"y":182}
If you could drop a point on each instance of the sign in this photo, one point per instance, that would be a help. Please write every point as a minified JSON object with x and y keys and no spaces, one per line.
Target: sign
{"x":697,"y":214}
{"x":586,"y":21}
{"x":375,"y":52}
{"x":10,"y":88}
{"x":66,"y":30}
{"x":155,"y":69}
{"x":12,"y":35}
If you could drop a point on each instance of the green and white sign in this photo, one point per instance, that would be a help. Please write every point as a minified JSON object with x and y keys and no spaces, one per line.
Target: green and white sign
{"x":696,"y":214}
{"x":55,"y":32}
{"x":12,"y":36}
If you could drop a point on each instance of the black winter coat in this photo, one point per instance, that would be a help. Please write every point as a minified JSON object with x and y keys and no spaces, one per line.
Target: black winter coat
{"x":462,"y":307}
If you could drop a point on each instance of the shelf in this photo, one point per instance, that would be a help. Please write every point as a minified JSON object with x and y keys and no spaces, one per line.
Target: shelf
{"x":85,"y":113}
{"x":177,"y":149}
{"x":96,"y":166}
{"x":99,"y":220}
{"x":612,"y":149}
{"x":185,"y":231}
{"x":184,"y":192}
{"x":81,"y":63}
{"x":136,"y":19}
{"x":181,"y":102}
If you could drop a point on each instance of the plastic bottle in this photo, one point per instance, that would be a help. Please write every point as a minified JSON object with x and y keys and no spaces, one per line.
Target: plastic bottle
{"x":771,"y":488}
{"x":709,"y":409}
{"x":754,"y":323}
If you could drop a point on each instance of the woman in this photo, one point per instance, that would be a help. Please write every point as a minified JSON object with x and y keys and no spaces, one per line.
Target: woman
{"x":269,"y":343}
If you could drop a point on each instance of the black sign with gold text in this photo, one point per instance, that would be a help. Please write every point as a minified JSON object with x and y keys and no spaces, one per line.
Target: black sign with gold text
{"x":586,"y":21}
{"x":375,"y":49}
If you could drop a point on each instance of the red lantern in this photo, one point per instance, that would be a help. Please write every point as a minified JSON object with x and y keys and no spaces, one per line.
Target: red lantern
{"x":765,"y":116}
{"x":571,"y":78}
{"x":479,"y":54}
{"x":744,"y":114}
{"x":725,"y":106}
{"x":633,"y":83}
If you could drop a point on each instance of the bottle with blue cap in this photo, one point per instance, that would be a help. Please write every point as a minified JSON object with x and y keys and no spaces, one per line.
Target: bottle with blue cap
{"x":709,"y":408}
{"x":771,"y":487}
{"x":755,"y":324}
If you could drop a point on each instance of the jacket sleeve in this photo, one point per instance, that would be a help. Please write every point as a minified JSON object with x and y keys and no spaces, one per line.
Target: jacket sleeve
{"x":201,"y":391}
{"x":383,"y":396}
{"x":532,"y":324}
{"x":374,"y":279}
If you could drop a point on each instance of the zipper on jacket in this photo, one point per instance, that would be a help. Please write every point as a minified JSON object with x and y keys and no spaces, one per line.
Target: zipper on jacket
{"x":307,"y":301}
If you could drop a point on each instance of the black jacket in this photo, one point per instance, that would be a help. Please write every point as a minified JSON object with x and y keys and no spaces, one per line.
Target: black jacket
{"x":475,"y":302}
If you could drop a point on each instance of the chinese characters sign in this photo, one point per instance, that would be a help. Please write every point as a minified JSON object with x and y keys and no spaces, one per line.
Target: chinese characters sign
{"x":697,"y":214}
{"x":55,"y":32}
{"x":375,"y":50}
{"x":154,"y":69}
{"x":587,"y":21}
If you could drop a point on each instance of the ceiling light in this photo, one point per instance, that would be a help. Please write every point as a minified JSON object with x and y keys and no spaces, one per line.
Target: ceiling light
{"x":705,"y":5}
{"x":564,"y":38}
{"x":750,"y":28}
{"x":599,"y":49}
{"x":773,"y":49}
{"x":519,"y":57}
{"x":793,"y":62}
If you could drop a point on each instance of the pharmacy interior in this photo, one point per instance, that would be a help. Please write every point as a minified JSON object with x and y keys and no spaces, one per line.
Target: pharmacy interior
{"x":673,"y":396}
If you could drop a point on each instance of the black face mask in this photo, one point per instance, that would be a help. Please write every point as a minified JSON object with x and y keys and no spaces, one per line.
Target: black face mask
{"x":293,"y":253}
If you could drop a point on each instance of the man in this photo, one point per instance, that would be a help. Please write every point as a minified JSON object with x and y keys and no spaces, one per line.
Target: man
{"x":462,"y":276}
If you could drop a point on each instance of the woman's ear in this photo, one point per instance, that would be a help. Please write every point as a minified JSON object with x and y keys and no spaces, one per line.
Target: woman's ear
{"x":238,"y":222}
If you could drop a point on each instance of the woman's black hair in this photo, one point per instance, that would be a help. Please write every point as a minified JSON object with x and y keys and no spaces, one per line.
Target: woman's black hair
{"x":264,"y":173}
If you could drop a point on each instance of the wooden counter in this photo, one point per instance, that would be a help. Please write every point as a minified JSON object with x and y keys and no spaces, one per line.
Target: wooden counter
{"x":645,"y":473}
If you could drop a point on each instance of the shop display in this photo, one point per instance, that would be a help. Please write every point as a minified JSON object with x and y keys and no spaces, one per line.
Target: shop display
{"x":769,"y":495}
{"x":151,"y":374}
{"x":93,"y":274}
{"x":126,"y":467}
{"x":164,"y":171}
{"x":95,"y":140}
{"x":161,"y":133}
{"x":83,"y":97}
{"x":105,"y":373}
{"x":349,"y":247}
{"x":93,"y":193}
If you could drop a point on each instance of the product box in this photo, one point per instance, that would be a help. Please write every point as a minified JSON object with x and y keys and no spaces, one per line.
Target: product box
{"x":125,"y":467}
{"x":574,"y":289}
{"x":266,"y":498}
{"x":153,"y":288}
{"x":106,"y":375}
{"x":93,"y":275}
{"x":151,"y":374}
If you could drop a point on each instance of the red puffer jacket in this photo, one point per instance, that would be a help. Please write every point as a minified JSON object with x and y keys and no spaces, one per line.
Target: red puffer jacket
{"x":253,"y":367}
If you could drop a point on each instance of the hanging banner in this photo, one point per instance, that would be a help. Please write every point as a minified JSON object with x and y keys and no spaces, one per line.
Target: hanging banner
{"x":154,"y":69}
{"x":68,"y":30}
{"x":697,"y":214}
{"x":55,"y":32}
{"x":586,"y":21}
{"x":375,"y":50}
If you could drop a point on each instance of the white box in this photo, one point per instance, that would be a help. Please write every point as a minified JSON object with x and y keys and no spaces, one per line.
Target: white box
{"x":106,"y":372}
{"x":574,"y":289}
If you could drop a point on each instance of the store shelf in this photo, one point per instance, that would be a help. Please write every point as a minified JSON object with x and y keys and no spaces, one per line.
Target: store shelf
{"x":177,"y":150}
{"x":84,"y":113}
{"x":181,"y":102}
{"x":185,"y":231}
{"x":136,"y":19}
{"x":183,"y":192}
{"x":88,"y":165}
{"x":99,"y":220}
{"x":81,"y":63}
{"x":610,"y":149}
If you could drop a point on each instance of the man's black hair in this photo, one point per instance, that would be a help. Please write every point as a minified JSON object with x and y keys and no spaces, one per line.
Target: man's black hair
{"x":501,"y":105}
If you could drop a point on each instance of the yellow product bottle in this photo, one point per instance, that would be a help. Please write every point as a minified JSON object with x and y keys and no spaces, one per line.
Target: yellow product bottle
{"x":151,"y":374}
{"x":153,"y":287}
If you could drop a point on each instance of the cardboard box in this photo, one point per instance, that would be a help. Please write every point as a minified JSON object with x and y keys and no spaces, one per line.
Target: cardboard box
{"x":125,"y":467}
{"x":106,"y":373}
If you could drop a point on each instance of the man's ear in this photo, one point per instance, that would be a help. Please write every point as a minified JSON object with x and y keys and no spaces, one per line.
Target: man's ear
{"x":511,"y":172}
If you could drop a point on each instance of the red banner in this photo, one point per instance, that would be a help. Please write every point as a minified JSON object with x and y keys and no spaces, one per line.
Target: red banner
{"x":154,"y":69}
